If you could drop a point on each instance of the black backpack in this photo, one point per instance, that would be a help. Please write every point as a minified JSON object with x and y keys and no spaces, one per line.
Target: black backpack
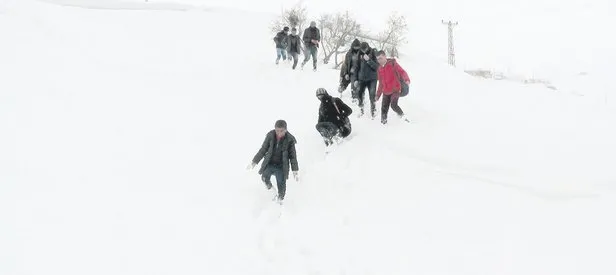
{"x":404,"y":88}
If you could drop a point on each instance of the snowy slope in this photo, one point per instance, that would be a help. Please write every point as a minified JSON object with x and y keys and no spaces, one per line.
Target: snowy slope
{"x":125,"y":135}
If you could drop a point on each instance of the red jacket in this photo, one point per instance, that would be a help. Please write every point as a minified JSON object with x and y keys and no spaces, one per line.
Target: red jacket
{"x":388,"y":80}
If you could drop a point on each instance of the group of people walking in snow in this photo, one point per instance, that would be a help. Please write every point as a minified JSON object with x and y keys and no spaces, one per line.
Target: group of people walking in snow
{"x":364,"y":68}
{"x":292,"y":44}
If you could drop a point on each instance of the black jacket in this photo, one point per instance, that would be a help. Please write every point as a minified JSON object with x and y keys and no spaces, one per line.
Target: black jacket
{"x":368,"y":69}
{"x":288,"y":153}
{"x":352,"y":61}
{"x":309,"y":34}
{"x":295,"y":45}
{"x":281,"y":40}
{"x":334,"y":110}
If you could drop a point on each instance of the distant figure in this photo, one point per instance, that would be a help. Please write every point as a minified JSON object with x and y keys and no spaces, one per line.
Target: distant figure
{"x":295,"y":46}
{"x":390,"y":76}
{"x":278,"y":151}
{"x":367,"y":77}
{"x":333,"y":123}
{"x":350,"y":68}
{"x":312,"y":37}
{"x":281,"y":40}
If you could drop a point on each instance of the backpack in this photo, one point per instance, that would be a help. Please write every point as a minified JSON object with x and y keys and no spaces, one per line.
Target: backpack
{"x":404,"y":88}
{"x":345,"y":119}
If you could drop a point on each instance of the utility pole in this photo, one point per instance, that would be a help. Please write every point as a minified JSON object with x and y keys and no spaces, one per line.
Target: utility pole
{"x":452,"y":53}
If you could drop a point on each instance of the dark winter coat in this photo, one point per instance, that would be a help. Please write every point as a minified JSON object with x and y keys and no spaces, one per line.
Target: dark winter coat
{"x":344,"y":83}
{"x":351,"y":63}
{"x":309,"y":34}
{"x":281,"y":40}
{"x":288,"y":152}
{"x":334,"y":110}
{"x":368,"y":69}
{"x":295,"y":45}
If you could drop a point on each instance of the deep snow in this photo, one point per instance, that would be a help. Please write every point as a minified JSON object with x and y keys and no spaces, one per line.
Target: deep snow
{"x":125,"y":135}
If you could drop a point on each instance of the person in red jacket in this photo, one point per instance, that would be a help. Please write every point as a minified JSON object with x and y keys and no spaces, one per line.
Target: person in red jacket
{"x":389,"y":75}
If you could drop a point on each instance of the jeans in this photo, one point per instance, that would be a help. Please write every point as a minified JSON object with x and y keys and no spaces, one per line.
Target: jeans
{"x":281,"y":52}
{"x":310,"y":51}
{"x":295,"y":58}
{"x":281,"y":180}
{"x":361,"y":91}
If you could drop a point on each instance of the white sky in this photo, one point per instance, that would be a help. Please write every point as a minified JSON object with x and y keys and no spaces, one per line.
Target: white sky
{"x":520,"y":35}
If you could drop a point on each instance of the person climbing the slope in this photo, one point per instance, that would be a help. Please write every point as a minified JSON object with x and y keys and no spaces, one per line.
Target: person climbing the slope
{"x":390,"y":77}
{"x":281,"y":40}
{"x":350,"y":68}
{"x":312,"y":37}
{"x":367,"y":78}
{"x":277,"y":152}
{"x":295,"y":46}
{"x":333,"y":123}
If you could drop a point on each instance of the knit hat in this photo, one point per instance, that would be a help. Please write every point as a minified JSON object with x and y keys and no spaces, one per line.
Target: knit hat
{"x":364,"y":46}
{"x":286,"y":29}
{"x":321,"y":91}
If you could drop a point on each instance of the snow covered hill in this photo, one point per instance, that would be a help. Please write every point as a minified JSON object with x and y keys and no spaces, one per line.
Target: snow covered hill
{"x":124,"y":137}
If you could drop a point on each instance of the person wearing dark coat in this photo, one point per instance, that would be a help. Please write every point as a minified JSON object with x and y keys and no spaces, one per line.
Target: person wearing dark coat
{"x":281,"y":40}
{"x":333,"y":123}
{"x":367,"y":78}
{"x":295,"y":46}
{"x":350,"y":68}
{"x":277,"y":152}
{"x":312,"y":37}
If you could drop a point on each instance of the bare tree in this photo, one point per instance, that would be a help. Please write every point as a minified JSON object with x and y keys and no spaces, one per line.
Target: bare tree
{"x":394,"y":34}
{"x":295,"y":17}
{"x":337,"y":30}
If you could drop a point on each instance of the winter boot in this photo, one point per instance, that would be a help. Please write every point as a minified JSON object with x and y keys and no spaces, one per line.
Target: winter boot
{"x":328,"y":142}
{"x":361,"y":111}
{"x":268,"y":185}
{"x":373,"y":112}
{"x":403,"y":117}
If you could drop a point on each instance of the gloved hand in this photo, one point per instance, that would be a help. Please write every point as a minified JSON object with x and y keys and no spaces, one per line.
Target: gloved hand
{"x":366,"y":57}
{"x":296,"y":175}
{"x":340,"y":89}
{"x":251,"y":165}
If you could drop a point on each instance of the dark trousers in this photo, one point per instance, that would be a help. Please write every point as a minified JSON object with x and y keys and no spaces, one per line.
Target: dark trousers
{"x":308,"y":52}
{"x":354,"y":86}
{"x":361,"y":91}
{"x":392,"y":100}
{"x":328,"y":130}
{"x":281,"y":180}
{"x":295,"y":58}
